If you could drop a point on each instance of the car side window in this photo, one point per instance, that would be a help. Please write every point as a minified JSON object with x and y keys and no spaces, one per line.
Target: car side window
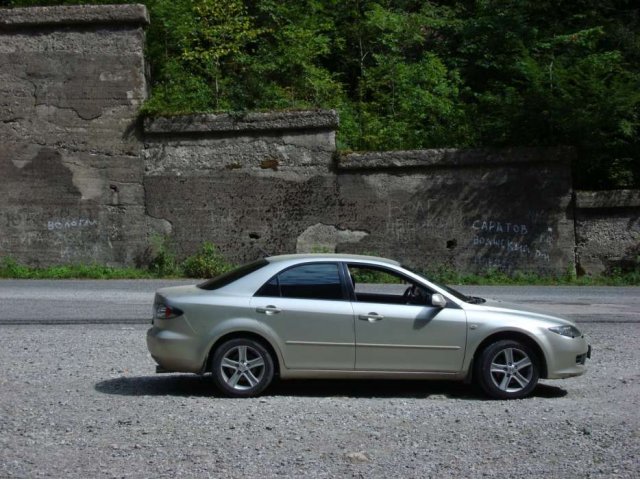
{"x":380,"y":285}
{"x":319,"y":281}
{"x":270,"y":289}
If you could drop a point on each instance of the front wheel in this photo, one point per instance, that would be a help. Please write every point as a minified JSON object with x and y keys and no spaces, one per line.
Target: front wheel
{"x":242,"y":367}
{"x":507,"y":369}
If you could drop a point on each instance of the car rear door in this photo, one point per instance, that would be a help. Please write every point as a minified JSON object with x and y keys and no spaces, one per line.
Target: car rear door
{"x":307,"y":308}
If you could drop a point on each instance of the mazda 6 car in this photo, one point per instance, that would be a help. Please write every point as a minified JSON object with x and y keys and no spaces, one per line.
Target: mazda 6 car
{"x":352,"y":316}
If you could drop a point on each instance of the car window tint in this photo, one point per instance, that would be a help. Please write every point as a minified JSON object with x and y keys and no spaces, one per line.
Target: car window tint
{"x":226,"y":278}
{"x":270,"y":289}
{"x":315,"y":281}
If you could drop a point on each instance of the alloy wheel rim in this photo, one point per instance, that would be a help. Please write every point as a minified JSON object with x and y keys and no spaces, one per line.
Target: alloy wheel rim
{"x":242,"y":367}
{"x":511,"y":370}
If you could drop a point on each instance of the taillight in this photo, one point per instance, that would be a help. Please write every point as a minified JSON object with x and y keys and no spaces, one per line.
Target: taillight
{"x":167,"y":311}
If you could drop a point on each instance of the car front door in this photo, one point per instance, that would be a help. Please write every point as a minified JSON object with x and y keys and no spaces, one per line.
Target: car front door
{"x":307,"y":308}
{"x":396,"y":327}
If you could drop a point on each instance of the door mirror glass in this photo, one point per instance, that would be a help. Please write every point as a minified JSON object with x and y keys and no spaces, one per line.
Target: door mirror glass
{"x":437,"y":300}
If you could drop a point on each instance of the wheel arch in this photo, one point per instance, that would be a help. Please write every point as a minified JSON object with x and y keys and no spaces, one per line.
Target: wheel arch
{"x":244,"y":334}
{"x":511,"y":335}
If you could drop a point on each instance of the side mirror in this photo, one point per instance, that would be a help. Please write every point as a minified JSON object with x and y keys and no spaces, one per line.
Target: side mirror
{"x":437,"y":300}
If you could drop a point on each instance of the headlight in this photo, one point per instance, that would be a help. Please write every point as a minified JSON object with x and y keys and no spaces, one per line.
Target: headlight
{"x":567,"y":331}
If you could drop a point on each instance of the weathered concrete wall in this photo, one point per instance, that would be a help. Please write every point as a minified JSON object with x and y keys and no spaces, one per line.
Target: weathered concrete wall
{"x":271,"y":181}
{"x":246,"y":183}
{"x":608,"y":231}
{"x":71,"y":82}
{"x":471,"y":210}
{"x":81,"y":181}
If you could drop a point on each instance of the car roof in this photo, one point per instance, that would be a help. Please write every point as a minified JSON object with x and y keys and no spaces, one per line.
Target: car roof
{"x":338,"y":257}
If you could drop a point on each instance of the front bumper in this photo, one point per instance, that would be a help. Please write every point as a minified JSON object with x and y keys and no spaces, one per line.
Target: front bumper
{"x":566,"y":357}
{"x":582,"y":359}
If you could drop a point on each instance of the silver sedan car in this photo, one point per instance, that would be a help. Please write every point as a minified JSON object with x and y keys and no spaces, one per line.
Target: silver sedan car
{"x":352,"y":316}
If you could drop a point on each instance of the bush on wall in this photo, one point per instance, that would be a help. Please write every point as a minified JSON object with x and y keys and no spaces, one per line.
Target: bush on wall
{"x":207,"y":262}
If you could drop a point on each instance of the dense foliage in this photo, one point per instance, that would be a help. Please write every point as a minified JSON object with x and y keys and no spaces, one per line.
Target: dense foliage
{"x":415,"y":74}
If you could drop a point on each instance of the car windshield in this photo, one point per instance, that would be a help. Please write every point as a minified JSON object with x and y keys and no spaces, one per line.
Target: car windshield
{"x":451,"y":291}
{"x":233,"y":275}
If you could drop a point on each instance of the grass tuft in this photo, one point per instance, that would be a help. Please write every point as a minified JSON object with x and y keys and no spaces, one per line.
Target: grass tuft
{"x":496,"y":277}
{"x":9,"y":268}
{"x":208,"y":262}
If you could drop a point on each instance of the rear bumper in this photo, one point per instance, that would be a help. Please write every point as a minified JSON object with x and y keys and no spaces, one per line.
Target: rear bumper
{"x":173,"y":351}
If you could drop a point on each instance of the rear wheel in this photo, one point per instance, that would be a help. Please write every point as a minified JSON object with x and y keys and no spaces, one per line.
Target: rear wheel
{"x":507,"y":369}
{"x":242,"y":367}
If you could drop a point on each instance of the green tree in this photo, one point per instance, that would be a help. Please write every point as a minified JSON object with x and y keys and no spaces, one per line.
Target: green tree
{"x":548,"y":73}
{"x":286,"y":70}
{"x":411,"y":99}
{"x":218,"y":31}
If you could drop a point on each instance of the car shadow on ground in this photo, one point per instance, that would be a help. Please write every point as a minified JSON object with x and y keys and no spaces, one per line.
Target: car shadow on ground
{"x":197,"y":386}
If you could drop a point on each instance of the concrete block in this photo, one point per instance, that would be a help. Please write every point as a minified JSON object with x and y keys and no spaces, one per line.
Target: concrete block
{"x":451,"y":157}
{"x":255,"y":121}
{"x":607,"y":231}
{"x":65,"y":15}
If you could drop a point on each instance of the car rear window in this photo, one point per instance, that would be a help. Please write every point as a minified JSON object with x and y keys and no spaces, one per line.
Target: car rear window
{"x":233,"y":275}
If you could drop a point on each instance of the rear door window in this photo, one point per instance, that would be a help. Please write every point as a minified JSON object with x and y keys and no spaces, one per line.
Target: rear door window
{"x":319,"y":281}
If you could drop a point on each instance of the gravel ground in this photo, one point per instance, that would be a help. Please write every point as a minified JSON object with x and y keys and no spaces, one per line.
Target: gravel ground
{"x":82,"y":401}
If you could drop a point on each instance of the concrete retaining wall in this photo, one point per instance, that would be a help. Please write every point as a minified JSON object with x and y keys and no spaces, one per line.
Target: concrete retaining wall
{"x":471,"y":210}
{"x":242,"y":183}
{"x":83,"y":180}
{"x":608,"y":231}
{"x":272,"y":183}
{"x":71,"y":84}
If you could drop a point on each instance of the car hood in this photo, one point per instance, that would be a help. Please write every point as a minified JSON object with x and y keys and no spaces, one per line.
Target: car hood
{"x":498,"y":306}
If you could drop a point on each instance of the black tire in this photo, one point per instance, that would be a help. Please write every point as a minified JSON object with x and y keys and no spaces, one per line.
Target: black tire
{"x":242,"y":375}
{"x":507,"y":369}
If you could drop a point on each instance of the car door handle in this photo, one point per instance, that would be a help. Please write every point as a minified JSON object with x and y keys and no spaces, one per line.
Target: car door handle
{"x":269,"y":310}
{"x":371,"y":317}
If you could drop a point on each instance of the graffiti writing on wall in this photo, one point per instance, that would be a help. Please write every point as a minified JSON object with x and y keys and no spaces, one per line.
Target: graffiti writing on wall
{"x":499,"y":227}
{"x":417,"y":219}
{"x":18,"y":218}
{"x":70,"y":223}
{"x":36,"y":218}
{"x":498,"y":238}
{"x":27,"y":226}
{"x":405,"y":221}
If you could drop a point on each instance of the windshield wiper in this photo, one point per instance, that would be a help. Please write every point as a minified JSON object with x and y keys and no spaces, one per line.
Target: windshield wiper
{"x":475,"y":300}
